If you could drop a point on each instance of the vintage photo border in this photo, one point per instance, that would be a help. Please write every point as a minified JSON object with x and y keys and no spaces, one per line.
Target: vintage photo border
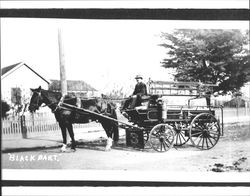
{"x":36,"y":178}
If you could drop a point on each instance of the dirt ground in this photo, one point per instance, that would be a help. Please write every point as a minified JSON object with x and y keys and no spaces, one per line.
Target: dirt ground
{"x":231,"y":154}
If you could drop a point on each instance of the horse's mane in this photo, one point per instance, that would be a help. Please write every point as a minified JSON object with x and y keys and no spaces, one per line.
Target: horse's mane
{"x":51,"y":94}
{"x":88,"y":102}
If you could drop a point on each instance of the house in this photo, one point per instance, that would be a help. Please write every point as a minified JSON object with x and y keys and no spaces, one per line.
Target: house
{"x":16,"y":81}
{"x":74,"y":87}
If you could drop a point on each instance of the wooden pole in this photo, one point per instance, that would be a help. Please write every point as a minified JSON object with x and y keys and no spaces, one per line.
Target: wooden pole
{"x":62,"y":65}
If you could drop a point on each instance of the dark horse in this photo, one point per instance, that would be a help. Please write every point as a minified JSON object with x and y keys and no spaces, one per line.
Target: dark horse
{"x":66,"y":116}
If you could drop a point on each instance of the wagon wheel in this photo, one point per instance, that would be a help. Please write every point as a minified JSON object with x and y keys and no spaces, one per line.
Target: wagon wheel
{"x":161,"y":137}
{"x":181,"y":137}
{"x":204,"y":131}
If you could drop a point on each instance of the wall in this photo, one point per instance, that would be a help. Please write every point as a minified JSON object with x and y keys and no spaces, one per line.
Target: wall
{"x":22,"y":78}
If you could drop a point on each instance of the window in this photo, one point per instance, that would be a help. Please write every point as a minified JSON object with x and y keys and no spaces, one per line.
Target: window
{"x":16,"y":96}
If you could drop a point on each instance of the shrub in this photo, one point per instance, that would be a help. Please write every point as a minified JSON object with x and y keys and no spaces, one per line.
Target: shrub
{"x":4,"y":108}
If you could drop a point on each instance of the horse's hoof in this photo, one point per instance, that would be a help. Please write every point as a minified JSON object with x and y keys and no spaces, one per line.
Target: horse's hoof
{"x":64,"y":148}
{"x":107,"y":149}
{"x":72,"y":149}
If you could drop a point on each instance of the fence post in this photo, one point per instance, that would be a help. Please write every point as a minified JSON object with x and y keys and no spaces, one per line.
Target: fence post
{"x":23,"y":127}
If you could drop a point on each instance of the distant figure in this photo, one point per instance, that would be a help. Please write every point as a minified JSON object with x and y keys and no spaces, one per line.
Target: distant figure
{"x":139,"y":91}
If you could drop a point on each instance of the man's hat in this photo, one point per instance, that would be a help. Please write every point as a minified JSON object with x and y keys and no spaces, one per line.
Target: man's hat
{"x":138,"y":76}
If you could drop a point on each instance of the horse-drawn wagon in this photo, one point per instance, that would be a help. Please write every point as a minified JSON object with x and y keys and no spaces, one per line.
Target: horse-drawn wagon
{"x":155,"y":120}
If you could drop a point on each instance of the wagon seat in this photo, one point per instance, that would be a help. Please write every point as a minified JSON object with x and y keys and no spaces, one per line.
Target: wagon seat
{"x":147,"y":102}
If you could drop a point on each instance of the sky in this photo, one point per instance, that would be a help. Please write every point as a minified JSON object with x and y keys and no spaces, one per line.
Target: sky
{"x":107,"y":54}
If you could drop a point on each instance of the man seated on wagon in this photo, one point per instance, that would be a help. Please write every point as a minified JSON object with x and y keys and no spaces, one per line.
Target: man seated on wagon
{"x":136,"y":98}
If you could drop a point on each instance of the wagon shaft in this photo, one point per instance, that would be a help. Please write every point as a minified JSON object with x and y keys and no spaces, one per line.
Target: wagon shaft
{"x":101,"y":116}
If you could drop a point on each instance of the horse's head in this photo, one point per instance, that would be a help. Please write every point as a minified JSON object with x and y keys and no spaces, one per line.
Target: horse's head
{"x":36,"y":99}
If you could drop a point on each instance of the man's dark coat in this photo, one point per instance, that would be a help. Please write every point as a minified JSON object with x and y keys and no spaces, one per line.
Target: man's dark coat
{"x":140,"y":89}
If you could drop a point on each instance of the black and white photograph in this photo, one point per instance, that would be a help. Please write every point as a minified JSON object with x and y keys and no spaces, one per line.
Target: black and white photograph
{"x":125,"y":100}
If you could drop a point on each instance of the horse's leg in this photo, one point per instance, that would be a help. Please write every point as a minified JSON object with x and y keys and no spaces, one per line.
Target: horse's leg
{"x":71,"y":134}
{"x":114,"y":127}
{"x":64,"y":135}
{"x":107,"y":129}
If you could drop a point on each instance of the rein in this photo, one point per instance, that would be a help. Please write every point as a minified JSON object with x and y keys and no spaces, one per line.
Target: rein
{"x":62,"y":99}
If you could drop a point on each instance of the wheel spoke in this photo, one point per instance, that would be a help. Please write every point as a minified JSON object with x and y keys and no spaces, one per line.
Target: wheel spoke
{"x":199,"y":141}
{"x":207,"y":143}
{"x":199,"y":126}
{"x":215,"y":138}
{"x":202,"y":143}
{"x":195,"y":134}
{"x":156,"y":134}
{"x":199,"y":137}
{"x":210,"y":141}
{"x":164,"y":144}
{"x":182,"y":135}
{"x":167,"y":142}
{"x":213,"y":132}
{"x":178,"y":138}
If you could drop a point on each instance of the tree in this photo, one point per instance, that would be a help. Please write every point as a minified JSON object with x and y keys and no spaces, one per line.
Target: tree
{"x":210,"y":56}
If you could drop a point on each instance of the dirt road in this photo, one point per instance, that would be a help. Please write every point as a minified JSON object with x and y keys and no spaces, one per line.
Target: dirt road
{"x":232,"y":153}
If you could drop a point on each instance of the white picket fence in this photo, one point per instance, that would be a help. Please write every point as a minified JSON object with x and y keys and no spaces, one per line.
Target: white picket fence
{"x":45,"y":123}
{"x":30,"y":125}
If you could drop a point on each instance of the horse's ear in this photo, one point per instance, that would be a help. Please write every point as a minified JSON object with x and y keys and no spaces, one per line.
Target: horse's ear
{"x":39,"y":88}
{"x":32,"y":89}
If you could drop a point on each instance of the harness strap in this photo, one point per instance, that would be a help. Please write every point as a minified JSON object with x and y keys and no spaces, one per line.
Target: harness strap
{"x":59,"y":104}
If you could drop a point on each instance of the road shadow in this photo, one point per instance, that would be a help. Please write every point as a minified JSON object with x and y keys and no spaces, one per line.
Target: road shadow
{"x":100,"y":145}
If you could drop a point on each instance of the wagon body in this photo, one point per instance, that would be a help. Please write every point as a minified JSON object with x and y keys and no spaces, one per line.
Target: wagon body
{"x":165,"y":124}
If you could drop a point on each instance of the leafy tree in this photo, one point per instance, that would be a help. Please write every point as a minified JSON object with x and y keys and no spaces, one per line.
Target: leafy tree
{"x":4,"y":108}
{"x":210,"y":56}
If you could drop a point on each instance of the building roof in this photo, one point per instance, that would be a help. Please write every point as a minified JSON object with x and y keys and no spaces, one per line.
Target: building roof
{"x":12,"y":68}
{"x":8,"y":68}
{"x":72,"y":85}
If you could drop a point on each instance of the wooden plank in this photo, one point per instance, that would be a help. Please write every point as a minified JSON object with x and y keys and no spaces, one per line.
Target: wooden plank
{"x":176,"y":95}
{"x":181,"y":83}
{"x":175,"y":88}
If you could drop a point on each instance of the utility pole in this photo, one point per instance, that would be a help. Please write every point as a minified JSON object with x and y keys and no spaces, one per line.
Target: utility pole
{"x":62,"y":65}
{"x":62,"y":70}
